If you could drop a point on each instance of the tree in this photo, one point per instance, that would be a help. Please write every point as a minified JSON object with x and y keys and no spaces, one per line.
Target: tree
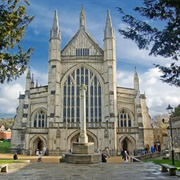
{"x":7,"y":122}
{"x":13,"y":23}
{"x":176,"y":112}
{"x":163,"y":41}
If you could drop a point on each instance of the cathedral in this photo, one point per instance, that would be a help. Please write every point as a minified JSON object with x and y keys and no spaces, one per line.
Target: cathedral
{"x":49,"y":116}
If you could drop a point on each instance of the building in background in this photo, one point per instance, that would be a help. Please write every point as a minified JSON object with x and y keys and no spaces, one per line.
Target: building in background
{"x":5,"y":134}
{"x":49,"y":116}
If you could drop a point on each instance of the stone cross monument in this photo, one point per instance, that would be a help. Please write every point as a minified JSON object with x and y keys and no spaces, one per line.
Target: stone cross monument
{"x":83,"y":151}
{"x":83,"y":138}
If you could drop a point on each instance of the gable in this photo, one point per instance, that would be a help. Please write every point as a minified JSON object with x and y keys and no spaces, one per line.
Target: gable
{"x":82,"y":41}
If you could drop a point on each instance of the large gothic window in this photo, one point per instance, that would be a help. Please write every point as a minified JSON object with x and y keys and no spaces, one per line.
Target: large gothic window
{"x":124,"y":119}
{"x":40,"y":119}
{"x":71,"y":96}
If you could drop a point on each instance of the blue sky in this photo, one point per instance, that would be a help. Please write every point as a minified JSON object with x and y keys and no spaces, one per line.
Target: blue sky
{"x":158,"y":94}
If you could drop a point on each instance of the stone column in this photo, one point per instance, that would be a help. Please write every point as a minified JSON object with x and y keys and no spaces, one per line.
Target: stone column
{"x":83,"y":136}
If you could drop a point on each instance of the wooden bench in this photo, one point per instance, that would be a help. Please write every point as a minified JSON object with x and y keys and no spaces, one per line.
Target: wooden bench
{"x":168,"y":168}
{"x":4,"y":167}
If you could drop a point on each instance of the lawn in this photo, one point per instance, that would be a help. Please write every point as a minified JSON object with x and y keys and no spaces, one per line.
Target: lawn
{"x":164,"y":161}
{"x":5,"y":147}
{"x":9,"y":161}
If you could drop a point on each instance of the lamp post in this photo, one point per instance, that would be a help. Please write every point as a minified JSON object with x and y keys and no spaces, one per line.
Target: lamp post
{"x":170,"y":110}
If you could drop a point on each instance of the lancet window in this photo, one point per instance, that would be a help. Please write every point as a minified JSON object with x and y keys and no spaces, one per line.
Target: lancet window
{"x":40,"y":119}
{"x":124,"y":119}
{"x":71,"y":96}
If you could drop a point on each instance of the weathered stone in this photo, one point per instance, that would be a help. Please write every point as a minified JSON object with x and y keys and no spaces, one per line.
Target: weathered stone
{"x":48,"y":116}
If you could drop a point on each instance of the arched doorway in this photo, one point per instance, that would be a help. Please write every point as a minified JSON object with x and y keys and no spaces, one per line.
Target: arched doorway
{"x":37,"y":142}
{"x":125,"y":144}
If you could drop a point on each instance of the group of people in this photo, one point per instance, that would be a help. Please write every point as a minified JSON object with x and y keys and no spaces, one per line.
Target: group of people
{"x":155,"y":148}
{"x":40,"y":153}
{"x":105,"y":154}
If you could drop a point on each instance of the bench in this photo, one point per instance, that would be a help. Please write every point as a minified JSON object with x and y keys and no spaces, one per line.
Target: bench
{"x":168,"y":168}
{"x":4,"y":167}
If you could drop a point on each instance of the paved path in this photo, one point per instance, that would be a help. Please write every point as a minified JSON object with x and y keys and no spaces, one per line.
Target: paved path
{"x":51,"y":169}
{"x":54,"y":159}
{"x":101,"y":171}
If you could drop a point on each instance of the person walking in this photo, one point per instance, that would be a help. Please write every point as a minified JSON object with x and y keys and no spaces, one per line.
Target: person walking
{"x":39,"y":158}
{"x":125,"y":156}
{"x":104,"y":158}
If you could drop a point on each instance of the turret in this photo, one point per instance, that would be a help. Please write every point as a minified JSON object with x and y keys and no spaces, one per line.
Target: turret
{"x":36,"y":83}
{"x":109,"y":40}
{"x":110,"y":71}
{"x":32,"y":81}
{"x":55,"y":30}
{"x":136,"y":80}
{"x":28,"y":82}
{"x":55,"y":40}
{"x":109,"y":68}
{"x":82,"y":18}
{"x":54,"y":71}
{"x":109,"y":31}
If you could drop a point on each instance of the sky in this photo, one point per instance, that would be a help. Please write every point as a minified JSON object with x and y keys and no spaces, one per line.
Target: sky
{"x":159,"y":95}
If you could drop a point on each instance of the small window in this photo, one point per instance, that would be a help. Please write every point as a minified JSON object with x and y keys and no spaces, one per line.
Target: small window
{"x":53,"y":92}
{"x":51,"y":114}
{"x":25,"y":115}
{"x":82,"y":52}
{"x":25,"y":106}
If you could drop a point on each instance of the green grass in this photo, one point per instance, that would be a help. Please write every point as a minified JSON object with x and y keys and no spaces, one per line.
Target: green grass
{"x":5,"y":147}
{"x":164,"y":161}
{"x":9,"y":161}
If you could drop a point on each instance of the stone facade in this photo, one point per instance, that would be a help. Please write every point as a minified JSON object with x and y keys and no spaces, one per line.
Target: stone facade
{"x":175,"y":121}
{"x":49,"y":116}
{"x":176,"y":137}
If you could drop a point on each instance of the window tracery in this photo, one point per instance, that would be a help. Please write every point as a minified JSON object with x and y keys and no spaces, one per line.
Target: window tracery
{"x":124,"y":119}
{"x":40,"y":119}
{"x":71,"y":96}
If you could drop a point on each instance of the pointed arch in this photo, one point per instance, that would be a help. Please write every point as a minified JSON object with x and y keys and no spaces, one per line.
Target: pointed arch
{"x":79,"y":65}
{"x":125,"y":118}
{"x":71,"y":81}
{"x":34,"y":143}
{"x":39,"y":118}
{"x":127,"y":142}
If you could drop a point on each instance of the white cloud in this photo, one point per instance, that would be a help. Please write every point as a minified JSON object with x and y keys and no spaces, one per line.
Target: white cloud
{"x":9,"y":97}
{"x":9,"y":93}
{"x":158,"y":94}
{"x":128,"y":50}
{"x":125,"y":79}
